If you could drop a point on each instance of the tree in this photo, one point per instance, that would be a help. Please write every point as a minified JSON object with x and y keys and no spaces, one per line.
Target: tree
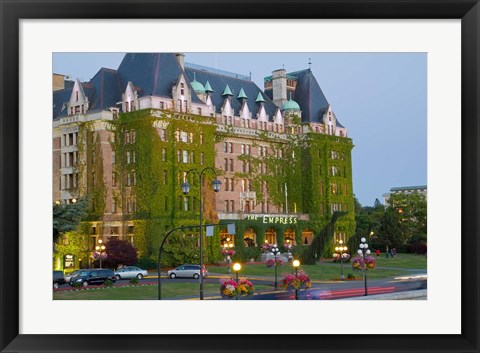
{"x":119,"y":252}
{"x":412,"y":211}
{"x":67,"y":217}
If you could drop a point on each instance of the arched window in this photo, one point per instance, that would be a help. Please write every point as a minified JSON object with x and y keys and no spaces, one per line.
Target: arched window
{"x":307,"y":237}
{"x":271,"y":236}
{"x":290,"y":237}
{"x":250,"y":237}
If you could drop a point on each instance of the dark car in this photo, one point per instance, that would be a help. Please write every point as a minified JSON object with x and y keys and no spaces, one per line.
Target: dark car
{"x":58,"y":279}
{"x":92,"y":276}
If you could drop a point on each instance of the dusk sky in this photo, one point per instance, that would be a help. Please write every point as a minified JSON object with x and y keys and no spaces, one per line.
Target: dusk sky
{"x":381,"y":98}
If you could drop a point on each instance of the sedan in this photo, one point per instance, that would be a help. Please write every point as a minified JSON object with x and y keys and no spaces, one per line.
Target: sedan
{"x":127,"y":272}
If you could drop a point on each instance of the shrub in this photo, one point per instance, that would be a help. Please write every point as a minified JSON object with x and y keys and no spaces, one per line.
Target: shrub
{"x":77,"y":284}
{"x":108,"y":283}
{"x":134,"y":281}
{"x":244,"y":254}
{"x":350,"y":276}
{"x":147,"y":263}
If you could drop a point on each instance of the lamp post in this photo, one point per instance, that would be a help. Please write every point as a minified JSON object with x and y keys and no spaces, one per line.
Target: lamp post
{"x":236,"y":268}
{"x":216,"y":184}
{"x":101,"y":250}
{"x":341,"y":249}
{"x":275,"y":250}
{"x":296,"y":264}
{"x":364,"y":250}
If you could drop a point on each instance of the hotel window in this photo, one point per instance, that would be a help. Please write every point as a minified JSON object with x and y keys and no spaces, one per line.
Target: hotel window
{"x":190,"y":137}
{"x":230,"y":147}
{"x":184,"y":136}
{"x":185,"y":203}
{"x":185,"y":106}
{"x":114,"y":206}
{"x":201,"y":139}
{"x":225,"y":147}
{"x":185,"y":157}
{"x":113,"y":157}
{"x":231,"y":185}
{"x":162,"y":105}
{"x":179,"y":156}
{"x":93,"y":157}
{"x":232,"y":206}
{"x":77,"y":109}
{"x":192,"y":157}
{"x":247,"y":150}
{"x":134,"y":204}
{"x":133,"y":135}
{"x":179,"y":105}
{"x":165,"y":177}
{"x":129,"y":179}
{"x":199,"y":111}
{"x":133,"y":157}
{"x":113,"y":230}
{"x":127,"y":137}
{"x":114,"y":179}
{"x":128,"y":157}
{"x":93,"y":179}
{"x":226,"y":206}
{"x":134,"y":177}
{"x":226,"y":165}
{"x":242,"y":149}
{"x":182,"y":89}
{"x":231,"y":165}
{"x":129,"y":205}
{"x":202,"y":158}
{"x":163,"y":134}
{"x":164,"y":154}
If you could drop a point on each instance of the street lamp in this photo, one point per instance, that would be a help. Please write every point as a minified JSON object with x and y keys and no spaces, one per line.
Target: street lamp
{"x":101,"y":250}
{"x":236,"y":268}
{"x":296,"y":264}
{"x":275,"y":250}
{"x":341,"y":249}
{"x":227,"y":246}
{"x":364,"y":250}
{"x":216,"y":184}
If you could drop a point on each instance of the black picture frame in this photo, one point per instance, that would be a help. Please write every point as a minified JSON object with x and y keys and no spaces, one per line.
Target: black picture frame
{"x":13,"y":11}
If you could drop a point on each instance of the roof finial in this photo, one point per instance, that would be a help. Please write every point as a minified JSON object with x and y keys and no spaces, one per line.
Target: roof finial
{"x":250,"y":75}
{"x":283,"y":66}
{"x":309,"y":63}
{"x":290,"y":95}
{"x":194,"y":76}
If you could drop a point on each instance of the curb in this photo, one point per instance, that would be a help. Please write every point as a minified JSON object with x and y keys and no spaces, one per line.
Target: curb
{"x":414,"y":294}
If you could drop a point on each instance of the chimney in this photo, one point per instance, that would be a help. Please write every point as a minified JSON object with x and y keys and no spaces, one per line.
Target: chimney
{"x":181,"y":59}
{"x":279,"y":87}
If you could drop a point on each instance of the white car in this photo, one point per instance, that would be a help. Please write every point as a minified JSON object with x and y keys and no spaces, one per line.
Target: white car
{"x":187,"y":271}
{"x":127,"y":272}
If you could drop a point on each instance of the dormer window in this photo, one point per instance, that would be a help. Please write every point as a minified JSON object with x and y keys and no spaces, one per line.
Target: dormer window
{"x":76,"y":96}
{"x":182,"y":89}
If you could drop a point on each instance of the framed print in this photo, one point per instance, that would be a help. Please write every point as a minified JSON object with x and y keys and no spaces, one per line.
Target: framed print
{"x":438,"y":43}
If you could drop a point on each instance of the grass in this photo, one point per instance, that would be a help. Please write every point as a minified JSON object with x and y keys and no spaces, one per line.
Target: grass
{"x":327,"y":270}
{"x":169,"y":291}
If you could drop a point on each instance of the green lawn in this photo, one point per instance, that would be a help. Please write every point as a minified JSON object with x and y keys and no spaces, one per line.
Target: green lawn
{"x":169,"y":291}
{"x":328,"y":270}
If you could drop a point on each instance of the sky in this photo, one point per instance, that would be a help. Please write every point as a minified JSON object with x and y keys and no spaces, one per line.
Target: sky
{"x":381,"y":98}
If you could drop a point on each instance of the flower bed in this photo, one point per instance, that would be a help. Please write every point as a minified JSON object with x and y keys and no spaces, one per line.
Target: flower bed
{"x":301,"y":281}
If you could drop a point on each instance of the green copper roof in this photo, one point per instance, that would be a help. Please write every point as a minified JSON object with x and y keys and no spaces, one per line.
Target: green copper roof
{"x":242,"y":94}
{"x":208,"y":88}
{"x":197,"y":86}
{"x":259,"y":98}
{"x":290,"y":105}
{"x":227,"y":92}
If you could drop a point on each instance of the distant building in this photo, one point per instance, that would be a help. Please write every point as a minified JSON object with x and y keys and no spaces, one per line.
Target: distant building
{"x":422,"y":189}
{"x":128,"y":137}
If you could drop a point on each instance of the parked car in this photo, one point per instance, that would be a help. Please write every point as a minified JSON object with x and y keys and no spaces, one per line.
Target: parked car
{"x":188,"y":271}
{"x":127,"y":272}
{"x":58,"y":279}
{"x":70,"y":275}
{"x":93,"y":276}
